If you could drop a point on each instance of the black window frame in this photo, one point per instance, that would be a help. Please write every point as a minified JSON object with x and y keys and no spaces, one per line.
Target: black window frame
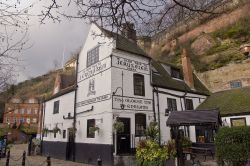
{"x":93,"y":56}
{"x":90,"y":123}
{"x":56,"y":107}
{"x":172,"y":104}
{"x":189,"y":105}
{"x":241,"y":118}
{"x":176,"y":73}
{"x":140,"y":124}
{"x":139,"y":84}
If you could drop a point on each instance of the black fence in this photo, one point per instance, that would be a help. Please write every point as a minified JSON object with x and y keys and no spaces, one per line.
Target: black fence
{"x":23,"y":161}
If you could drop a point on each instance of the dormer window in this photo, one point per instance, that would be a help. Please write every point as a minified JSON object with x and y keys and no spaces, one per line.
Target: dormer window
{"x":235,"y":84}
{"x":175,"y":73}
{"x":93,"y":56}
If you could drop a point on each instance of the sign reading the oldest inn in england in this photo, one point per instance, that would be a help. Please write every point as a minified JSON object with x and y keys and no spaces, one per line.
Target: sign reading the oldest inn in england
{"x":130,"y":65}
{"x":129,"y":103}
{"x":94,"y":69}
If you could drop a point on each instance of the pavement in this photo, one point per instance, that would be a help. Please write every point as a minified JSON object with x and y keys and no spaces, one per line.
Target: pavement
{"x":16,"y":152}
{"x":208,"y":162}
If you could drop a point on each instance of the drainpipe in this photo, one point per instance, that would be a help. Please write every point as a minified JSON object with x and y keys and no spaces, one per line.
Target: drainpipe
{"x":159,"y":120}
{"x":154,"y":105}
{"x":75,"y":99}
{"x":40,"y":117}
{"x":151,"y":83}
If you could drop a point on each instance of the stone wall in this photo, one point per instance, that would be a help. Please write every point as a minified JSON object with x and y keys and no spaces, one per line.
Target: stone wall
{"x":219,"y":79}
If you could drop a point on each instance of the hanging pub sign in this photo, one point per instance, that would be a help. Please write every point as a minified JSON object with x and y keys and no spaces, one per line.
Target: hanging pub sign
{"x":130,"y":65}
{"x":94,"y":69}
{"x":131,"y":103}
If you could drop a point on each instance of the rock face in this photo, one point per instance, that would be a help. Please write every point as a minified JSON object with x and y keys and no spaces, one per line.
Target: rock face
{"x":202,"y":44}
{"x":220,"y":79}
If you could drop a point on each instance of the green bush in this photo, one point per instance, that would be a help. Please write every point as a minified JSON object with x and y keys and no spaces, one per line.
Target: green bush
{"x":28,"y":130}
{"x":233,"y":145}
{"x":150,"y":153}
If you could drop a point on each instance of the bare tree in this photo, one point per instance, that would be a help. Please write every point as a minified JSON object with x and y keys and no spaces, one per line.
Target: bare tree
{"x":149,"y":16}
{"x":13,"y":37}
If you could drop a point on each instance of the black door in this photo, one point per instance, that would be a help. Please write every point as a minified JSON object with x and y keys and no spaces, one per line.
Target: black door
{"x":69,"y":148}
{"x":123,"y":139}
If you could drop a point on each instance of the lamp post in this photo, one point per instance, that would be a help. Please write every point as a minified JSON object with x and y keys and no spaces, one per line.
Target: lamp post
{"x":122,"y":105}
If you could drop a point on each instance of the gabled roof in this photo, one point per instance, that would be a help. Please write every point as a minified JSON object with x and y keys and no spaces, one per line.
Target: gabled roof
{"x":164,"y":80}
{"x":230,"y":102}
{"x":124,"y":44}
{"x":190,"y":118}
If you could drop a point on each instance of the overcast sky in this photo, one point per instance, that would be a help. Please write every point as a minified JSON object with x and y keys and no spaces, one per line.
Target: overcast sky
{"x":50,"y":41}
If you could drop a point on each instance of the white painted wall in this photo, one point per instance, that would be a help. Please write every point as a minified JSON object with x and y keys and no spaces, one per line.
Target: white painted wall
{"x":66,"y":105}
{"x":165,"y":131}
{"x":101,"y":98}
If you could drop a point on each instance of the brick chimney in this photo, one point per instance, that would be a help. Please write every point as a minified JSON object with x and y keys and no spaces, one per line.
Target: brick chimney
{"x":128,"y":31}
{"x":57,"y":84}
{"x":187,"y":68}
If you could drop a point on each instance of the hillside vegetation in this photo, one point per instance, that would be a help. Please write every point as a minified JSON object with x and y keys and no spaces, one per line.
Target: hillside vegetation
{"x":212,"y":50}
{"x":40,"y":87}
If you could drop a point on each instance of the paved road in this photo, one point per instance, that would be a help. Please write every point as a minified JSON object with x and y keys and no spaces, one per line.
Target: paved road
{"x":16,"y":152}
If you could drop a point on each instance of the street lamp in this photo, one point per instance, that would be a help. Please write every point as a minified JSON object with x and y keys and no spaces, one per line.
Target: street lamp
{"x":122,"y":105}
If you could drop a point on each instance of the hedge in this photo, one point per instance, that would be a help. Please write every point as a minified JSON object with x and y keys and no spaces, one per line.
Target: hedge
{"x":233,"y":146}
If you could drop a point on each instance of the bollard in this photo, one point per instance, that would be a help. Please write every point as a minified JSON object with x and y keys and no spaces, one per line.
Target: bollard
{"x":24,"y":157}
{"x":197,"y":163}
{"x":99,"y":161}
{"x":48,"y":161}
{"x":8,"y":158}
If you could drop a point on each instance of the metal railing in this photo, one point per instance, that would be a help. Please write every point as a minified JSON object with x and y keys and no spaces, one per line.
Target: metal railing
{"x":24,"y":160}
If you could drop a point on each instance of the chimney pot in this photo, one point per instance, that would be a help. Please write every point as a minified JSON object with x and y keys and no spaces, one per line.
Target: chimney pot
{"x":128,"y":31}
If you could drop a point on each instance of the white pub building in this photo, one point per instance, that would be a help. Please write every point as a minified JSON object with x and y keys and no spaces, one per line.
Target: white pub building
{"x":116,"y":81}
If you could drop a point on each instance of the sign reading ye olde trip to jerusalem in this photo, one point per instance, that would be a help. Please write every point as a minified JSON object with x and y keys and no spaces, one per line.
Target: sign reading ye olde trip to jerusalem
{"x":129,"y":103}
{"x":94,"y":69}
{"x":129,"y":64}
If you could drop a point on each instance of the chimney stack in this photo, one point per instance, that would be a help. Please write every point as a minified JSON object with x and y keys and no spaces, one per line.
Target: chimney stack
{"x":187,"y":69}
{"x":128,"y":31}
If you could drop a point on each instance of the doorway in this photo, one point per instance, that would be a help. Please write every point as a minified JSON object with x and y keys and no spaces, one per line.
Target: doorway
{"x":123,"y":138}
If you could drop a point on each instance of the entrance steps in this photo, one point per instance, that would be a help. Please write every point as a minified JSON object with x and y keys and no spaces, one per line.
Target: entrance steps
{"x":124,"y":160}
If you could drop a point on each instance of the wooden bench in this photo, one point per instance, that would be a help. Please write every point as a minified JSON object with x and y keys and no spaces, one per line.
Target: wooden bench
{"x":195,"y":151}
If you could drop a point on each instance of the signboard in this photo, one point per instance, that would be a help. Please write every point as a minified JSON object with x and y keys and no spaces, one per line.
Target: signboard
{"x":94,"y":69}
{"x":94,"y":100}
{"x":130,"y":103}
{"x":238,"y":121}
{"x":130,"y":65}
